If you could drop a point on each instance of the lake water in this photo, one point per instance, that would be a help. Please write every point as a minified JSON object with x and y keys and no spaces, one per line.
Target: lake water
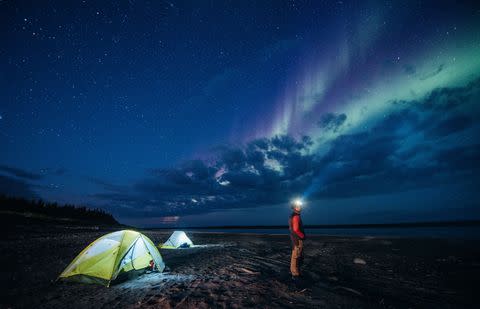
{"x":465,"y":232}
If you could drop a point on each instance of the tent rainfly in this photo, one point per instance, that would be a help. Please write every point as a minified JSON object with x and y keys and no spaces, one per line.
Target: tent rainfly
{"x":111,"y":256}
{"x":177,"y":240}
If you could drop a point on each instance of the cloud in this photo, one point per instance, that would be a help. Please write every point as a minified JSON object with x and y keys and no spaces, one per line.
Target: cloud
{"x":432,"y":74}
{"x":332,"y":121}
{"x":26,"y":184}
{"x":450,"y":125}
{"x":460,"y":159}
{"x":10,"y":186}
{"x":20,"y":173}
{"x":403,"y":151}
{"x":412,"y":71}
{"x":239,"y":176}
{"x":407,"y":149}
{"x":446,"y":98}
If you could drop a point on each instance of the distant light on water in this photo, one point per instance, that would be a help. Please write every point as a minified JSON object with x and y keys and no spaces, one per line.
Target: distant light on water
{"x":169,"y":219}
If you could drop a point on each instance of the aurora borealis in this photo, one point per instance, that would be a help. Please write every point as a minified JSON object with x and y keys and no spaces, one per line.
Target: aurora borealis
{"x":203,"y":113}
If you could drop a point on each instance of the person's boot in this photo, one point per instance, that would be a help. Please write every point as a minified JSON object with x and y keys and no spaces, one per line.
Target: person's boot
{"x":296,"y":283}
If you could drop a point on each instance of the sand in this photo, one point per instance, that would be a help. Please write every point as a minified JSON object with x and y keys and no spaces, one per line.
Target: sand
{"x":243,"y":271}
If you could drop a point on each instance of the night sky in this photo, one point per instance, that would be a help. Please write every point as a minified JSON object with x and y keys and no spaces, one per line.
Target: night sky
{"x":196,"y":113}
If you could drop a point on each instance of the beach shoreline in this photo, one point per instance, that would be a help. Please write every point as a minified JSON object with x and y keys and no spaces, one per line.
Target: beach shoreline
{"x":249,"y":270}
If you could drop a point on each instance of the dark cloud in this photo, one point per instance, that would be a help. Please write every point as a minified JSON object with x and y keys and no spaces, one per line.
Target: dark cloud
{"x":400,"y":152}
{"x":451,"y":125}
{"x":387,"y":159}
{"x":459,"y":159}
{"x":332,"y":121}
{"x":432,"y":74}
{"x":446,"y":98}
{"x":20,"y":173}
{"x":415,"y":151}
{"x":403,"y":120}
{"x":260,"y":172}
{"x":412,"y":71}
{"x":14,"y":187}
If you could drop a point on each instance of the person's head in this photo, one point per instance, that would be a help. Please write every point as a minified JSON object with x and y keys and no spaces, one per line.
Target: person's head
{"x":296,"y":205}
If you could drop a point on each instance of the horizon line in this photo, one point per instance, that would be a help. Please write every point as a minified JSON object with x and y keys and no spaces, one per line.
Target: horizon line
{"x":475,"y":222}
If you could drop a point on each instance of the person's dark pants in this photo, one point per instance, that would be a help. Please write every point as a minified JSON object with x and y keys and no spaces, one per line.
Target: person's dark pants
{"x":297,"y":257}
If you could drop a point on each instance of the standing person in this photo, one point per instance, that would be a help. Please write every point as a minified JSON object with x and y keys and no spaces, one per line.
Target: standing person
{"x":297,"y":235}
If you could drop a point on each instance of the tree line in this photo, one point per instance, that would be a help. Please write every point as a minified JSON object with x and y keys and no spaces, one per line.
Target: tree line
{"x":56,"y":211}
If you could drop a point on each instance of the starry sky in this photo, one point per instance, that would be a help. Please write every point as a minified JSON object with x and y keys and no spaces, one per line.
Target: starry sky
{"x":199,"y":113}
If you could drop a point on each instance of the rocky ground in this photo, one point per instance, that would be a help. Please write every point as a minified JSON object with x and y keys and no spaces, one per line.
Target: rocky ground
{"x":249,"y":271}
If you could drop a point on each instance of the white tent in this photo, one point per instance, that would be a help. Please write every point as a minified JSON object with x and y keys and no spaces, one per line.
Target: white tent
{"x":178,"y":240}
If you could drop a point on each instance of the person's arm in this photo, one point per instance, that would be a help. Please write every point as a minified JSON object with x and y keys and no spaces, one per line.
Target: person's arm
{"x":296,"y":227}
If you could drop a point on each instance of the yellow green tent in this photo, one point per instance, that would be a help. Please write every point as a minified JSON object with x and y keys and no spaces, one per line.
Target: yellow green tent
{"x":111,"y":256}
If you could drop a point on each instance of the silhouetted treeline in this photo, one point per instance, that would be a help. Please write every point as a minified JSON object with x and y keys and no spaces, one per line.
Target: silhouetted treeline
{"x":39,"y":208}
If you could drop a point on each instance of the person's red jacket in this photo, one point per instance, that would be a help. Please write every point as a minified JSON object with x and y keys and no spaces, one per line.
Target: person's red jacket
{"x":296,"y":226}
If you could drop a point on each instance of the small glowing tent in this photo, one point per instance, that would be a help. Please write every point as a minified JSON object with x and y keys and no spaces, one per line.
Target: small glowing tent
{"x":111,"y":256}
{"x":177,"y":240}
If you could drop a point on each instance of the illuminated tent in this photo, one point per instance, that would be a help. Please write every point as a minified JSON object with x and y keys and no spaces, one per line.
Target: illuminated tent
{"x":112,"y":256}
{"x":178,"y":240}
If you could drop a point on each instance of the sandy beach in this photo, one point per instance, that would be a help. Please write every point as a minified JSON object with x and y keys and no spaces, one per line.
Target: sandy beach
{"x":249,"y":270}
